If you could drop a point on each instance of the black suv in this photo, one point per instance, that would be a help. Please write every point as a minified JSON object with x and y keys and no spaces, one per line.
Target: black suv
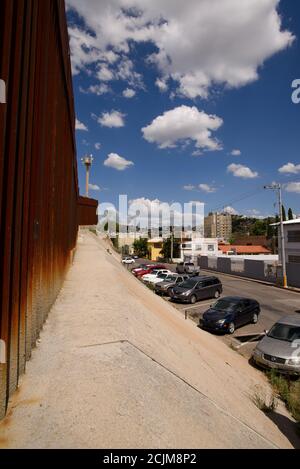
{"x":197,"y":288}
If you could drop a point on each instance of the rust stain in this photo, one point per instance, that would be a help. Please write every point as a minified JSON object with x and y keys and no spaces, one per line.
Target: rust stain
{"x":3,"y":442}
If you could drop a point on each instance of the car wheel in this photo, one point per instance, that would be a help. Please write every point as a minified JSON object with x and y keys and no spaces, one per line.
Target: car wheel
{"x":231,"y":328}
{"x":193,"y":299}
{"x":217,"y":294}
{"x":255,"y":318}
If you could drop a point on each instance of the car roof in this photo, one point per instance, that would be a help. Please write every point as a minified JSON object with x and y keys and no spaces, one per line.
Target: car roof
{"x":237,"y":298}
{"x":291,"y":320}
{"x":198,"y":278}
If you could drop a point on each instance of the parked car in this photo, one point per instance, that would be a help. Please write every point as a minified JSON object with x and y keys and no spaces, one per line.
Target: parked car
{"x":141,"y":267}
{"x":148,"y":270}
{"x":170,"y":281}
{"x":187,"y":268}
{"x":157,"y":275}
{"x":128,"y":260}
{"x":135,"y":257}
{"x":280,"y":347}
{"x":197,"y":288}
{"x":230,"y":312}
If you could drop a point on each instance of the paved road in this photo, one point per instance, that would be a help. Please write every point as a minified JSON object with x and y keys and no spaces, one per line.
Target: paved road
{"x":275,"y":303}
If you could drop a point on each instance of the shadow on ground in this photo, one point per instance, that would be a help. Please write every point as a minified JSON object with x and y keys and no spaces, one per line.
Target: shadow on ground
{"x":287,"y":426}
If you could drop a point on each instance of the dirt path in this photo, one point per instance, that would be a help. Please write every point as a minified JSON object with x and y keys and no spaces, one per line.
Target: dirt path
{"x":118,"y":367}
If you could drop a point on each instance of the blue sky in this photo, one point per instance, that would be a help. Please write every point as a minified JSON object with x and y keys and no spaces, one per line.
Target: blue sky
{"x":219,"y":80}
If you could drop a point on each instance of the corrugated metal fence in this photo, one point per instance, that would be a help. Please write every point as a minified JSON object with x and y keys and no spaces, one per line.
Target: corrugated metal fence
{"x":38,"y":175}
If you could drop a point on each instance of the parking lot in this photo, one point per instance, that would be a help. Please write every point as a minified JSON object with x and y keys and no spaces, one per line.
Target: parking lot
{"x":274,"y":302}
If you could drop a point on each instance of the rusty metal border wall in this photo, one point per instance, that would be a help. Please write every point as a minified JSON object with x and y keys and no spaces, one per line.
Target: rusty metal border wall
{"x":38,"y":175}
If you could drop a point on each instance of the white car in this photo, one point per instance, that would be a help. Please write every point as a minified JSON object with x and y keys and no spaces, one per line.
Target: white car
{"x":128,"y":260}
{"x":157,"y":275}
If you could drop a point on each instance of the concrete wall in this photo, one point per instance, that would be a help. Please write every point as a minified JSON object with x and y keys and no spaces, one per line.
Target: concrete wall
{"x":293,"y":274}
{"x":250,"y":268}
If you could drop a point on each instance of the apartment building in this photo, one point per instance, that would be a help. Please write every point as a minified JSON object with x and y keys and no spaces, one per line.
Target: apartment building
{"x":218,"y":225}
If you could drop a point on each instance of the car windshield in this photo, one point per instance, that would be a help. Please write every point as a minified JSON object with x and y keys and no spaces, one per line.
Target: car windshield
{"x":224,"y":305}
{"x":155,"y":272}
{"x":171,"y":278}
{"x":285,"y":332}
{"x":162,"y":275}
{"x":190,"y":283}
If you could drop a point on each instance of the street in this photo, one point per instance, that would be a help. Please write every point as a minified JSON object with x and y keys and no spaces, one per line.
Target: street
{"x":274,"y":302}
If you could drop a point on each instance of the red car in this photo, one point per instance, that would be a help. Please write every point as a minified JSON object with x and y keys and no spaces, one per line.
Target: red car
{"x":149,"y":269}
{"x":140,"y":267}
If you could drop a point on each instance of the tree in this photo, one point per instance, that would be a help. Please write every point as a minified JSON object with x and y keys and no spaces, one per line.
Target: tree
{"x":290,"y":214}
{"x":283,"y":213}
{"x":140,"y":247}
{"x":259,"y":228}
{"x":166,"y":249}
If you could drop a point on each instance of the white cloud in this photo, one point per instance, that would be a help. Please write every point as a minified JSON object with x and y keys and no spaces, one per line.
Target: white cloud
{"x":209,"y":42}
{"x":104,"y":73}
{"x":236,"y":152}
{"x":117,"y":162}
{"x":290,"y":168}
{"x":189,"y":187}
{"x":230,"y":210}
{"x":161,"y":84}
{"x":129,"y":93}
{"x":207,"y":188}
{"x":293,"y":187}
{"x":183,"y":124}
{"x":80,"y":126}
{"x":241,"y":171}
{"x":197,"y":153}
{"x":97,"y":146}
{"x":111,"y":119}
{"x":98,"y":89}
{"x":94,"y":187}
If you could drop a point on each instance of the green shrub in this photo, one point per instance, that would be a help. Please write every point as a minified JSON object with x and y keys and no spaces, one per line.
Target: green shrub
{"x":288,"y":391}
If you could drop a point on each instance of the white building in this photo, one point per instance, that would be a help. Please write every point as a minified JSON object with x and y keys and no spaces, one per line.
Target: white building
{"x":199,"y":247}
{"x":291,"y":241}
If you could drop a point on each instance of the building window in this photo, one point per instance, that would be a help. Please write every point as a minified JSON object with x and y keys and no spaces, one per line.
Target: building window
{"x":294,"y":236}
{"x":187,"y":246}
{"x":210,"y":247}
{"x":294,"y":259}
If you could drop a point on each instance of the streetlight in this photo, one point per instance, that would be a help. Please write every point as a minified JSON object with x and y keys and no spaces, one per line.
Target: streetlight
{"x":277,"y":187}
{"x":87,"y":160}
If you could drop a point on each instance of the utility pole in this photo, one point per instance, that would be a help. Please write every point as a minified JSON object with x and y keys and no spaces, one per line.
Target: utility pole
{"x":277,"y":187}
{"x":87,"y":160}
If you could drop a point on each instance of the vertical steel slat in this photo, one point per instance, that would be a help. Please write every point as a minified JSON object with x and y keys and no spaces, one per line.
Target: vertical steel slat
{"x":39,"y":196}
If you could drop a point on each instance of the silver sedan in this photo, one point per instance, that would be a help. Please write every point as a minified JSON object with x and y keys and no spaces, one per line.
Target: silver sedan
{"x":280,"y":348}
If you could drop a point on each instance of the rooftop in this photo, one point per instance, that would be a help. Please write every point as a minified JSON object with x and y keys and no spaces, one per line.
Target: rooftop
{"x":288,"y":222}
{"x":244,"y":249}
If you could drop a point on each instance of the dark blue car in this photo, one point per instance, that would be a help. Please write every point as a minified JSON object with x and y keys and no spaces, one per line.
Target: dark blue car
{"x":229,"y":313}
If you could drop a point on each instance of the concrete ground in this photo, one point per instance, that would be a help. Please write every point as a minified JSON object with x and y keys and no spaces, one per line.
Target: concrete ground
{"x":118,"y":367}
